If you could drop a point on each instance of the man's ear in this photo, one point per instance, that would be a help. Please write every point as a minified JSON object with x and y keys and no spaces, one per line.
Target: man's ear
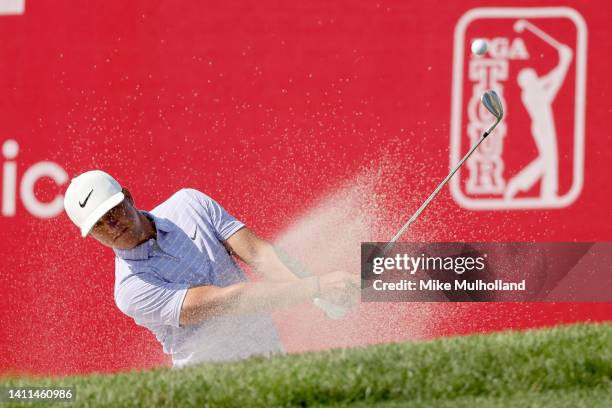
{"x":128,"y":195}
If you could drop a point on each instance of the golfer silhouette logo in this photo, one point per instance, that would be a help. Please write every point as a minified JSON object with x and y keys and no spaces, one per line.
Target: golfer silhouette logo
{"x":536,"y":62}
{"x":537,"y":95}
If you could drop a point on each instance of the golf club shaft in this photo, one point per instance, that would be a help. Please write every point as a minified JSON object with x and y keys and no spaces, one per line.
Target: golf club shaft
{"x":433,"y":195}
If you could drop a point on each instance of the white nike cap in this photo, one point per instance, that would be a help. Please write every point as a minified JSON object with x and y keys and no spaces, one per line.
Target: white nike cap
{"x":89,"y":196}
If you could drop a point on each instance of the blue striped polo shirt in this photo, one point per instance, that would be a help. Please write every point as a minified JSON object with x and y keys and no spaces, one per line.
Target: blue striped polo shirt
{"x":152,"y":279}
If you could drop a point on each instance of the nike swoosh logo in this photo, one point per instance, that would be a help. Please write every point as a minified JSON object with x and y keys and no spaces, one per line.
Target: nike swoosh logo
{"x":194,"y":234}
{"x":84,"y":203}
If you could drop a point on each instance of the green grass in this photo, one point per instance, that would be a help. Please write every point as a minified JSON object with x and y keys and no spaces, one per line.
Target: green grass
{"x":569,"y":366}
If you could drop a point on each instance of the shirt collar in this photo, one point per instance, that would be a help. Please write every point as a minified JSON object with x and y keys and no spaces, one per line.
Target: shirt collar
{"x":142,"y":251}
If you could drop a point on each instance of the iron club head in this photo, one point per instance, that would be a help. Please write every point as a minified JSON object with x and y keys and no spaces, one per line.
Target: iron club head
{"x":491,"y":101}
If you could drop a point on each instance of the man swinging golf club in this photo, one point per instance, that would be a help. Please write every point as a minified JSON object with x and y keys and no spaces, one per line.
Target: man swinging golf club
{"x":174,"y":273}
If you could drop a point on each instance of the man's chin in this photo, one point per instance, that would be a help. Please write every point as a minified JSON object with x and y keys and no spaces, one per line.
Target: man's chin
{"x":124,"y":242}
{"x":124,"y":245}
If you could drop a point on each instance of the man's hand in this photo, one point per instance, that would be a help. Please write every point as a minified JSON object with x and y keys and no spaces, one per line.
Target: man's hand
{"x":339,"y":287}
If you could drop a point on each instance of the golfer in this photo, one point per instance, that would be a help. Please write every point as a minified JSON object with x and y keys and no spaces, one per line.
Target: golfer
{"x":175,"y":275}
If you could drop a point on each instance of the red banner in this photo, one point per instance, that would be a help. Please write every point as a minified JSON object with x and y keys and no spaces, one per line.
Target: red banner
{"x":320,"y":125}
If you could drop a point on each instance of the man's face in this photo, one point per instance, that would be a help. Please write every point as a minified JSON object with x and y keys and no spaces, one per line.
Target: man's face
{"x":121,"y":227}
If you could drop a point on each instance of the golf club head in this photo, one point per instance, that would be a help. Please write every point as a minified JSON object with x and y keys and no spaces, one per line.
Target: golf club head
{"x":491,"y":101}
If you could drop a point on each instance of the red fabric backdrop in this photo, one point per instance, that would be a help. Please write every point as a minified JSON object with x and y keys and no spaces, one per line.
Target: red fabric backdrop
{"x":267,"y":106}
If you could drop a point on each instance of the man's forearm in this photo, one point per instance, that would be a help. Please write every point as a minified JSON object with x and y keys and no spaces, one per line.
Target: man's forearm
{"x":275,"y":265}
{"x":204,"y":302}
{"x":266,"y":259}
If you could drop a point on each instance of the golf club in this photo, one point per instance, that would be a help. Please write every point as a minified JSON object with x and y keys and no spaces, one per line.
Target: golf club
{"x":492,"y":102}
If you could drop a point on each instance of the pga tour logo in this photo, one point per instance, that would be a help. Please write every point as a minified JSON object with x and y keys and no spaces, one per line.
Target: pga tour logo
{"x":536,"y":62}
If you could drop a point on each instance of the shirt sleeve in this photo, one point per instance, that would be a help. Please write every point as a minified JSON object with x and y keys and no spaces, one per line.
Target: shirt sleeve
{"x":224,"y":224}
{"x":150,"y":300}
